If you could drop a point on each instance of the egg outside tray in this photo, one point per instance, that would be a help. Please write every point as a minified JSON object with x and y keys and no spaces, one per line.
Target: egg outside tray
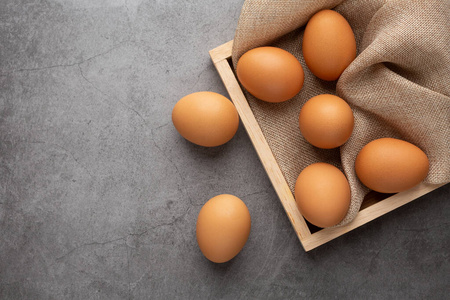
{"x":374,"y":205}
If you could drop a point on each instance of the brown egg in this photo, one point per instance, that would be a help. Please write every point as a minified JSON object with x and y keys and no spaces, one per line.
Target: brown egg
{"x":205,"y":118}
{"x":329,"y":44}
{"x":326,"y":121}
{"x":390,"y":165}
{"x":322,"y":194}
{"x":270,"y":74}
{"x":223,"y":227}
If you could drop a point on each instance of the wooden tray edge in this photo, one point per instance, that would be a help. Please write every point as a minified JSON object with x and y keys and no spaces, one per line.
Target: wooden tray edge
{"x":220,"y":57}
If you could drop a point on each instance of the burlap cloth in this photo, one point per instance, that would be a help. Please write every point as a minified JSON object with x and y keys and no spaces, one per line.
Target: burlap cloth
{"x":398,"y":85}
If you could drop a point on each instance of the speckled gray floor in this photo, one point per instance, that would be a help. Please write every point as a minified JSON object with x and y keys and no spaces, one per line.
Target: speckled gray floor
{"x":99,"y":194}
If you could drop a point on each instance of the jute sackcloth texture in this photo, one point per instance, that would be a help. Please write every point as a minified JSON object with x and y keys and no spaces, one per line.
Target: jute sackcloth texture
{"x":398,"y":85}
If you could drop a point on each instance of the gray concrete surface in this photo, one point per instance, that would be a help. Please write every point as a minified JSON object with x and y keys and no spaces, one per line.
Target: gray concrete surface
{"x":99,"y":194}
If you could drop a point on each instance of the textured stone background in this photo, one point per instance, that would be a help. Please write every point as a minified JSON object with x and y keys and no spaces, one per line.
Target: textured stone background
{"x":99,"y":194}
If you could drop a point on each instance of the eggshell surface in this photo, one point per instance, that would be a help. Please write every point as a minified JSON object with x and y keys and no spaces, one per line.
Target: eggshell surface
{"x":322,"y":193}
{"x":223,"y":227}
{"x":329,"y":44}
{"x":205,"y":118}
{"x":389,"y":165}
{"x":270,"y":74}
{"x":326,"y":121}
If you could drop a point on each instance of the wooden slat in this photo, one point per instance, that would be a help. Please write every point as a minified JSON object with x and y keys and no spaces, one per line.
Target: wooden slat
{"x":223,"y":52}
{"x":262,"y":148}
{"x":369,"y":214}
{"x":372,"y":209}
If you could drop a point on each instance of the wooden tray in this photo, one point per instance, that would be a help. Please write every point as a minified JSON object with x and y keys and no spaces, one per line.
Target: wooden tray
{"x":374,"y":205}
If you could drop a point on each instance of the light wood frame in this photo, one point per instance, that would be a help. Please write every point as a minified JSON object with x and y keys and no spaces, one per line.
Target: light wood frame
{"x":374,"y":205}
